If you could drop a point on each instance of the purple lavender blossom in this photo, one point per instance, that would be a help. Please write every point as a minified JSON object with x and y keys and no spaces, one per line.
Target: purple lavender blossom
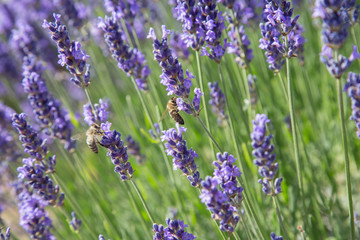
{"x":179,"y":46}
{"x":265,"y":158}
{"x":6,"y":113}
{"x":274,"y":237}
{"x":101,"y":110}
{"x":335,"y":22}
{"x":10,"y":152}
{"x":217,"y":102}
{"x":7,"y":234}
{"x":352,"y":10}
{"x":352,"y":87}
{"x":240,"y":48}
{"x":156,"y":134}
{"x":211,"y":27}
{"x":74,"y":13}
{"x":218,"y":203}
{"x":133,"y":148}
{"x":336,"y":67}
{"x":46,"y":108}
{"x":245,"y":11}
{"x":183,"y":158}
{"x":101,"y":237}
{"x":116,"y":151}
{"x":280,"y":35}
{"x":8,"y":66}
{"x":70,"y":52}
{"x":186,"y":12}
{"x":23,"y":39}
{"x":130,"y":60}
{"x":172,"y":77}
{"x":34,"y":219}
{"x":174,"y":230}
{"x":75,"y":222}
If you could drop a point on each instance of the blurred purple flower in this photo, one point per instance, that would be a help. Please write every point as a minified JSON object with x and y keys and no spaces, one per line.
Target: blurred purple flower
{"x":265,"y":158}
{"x":252,"y":89}
{"x":336,"y":67}
{"x":101,"y":110}
{"x":47,"y":109}
{"x":180,"y":49}
{"x":174,"y":230}
{"x":75,"y":222}
{"x":70,"y":52}
{"x":217,"y":102}
{"x":352,"y":87}
{"x":183,"y":158}
{"x":133,"y":149}
{"x":274,"y":237}
{"x":130,"y":60}
{"x":240,"y":48}
{"x":116,"y":151}
{"x":74,"y":13}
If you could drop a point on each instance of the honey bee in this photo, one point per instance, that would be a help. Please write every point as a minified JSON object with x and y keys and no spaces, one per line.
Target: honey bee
{"x":93,"y":137}
{"x":173,"y":111}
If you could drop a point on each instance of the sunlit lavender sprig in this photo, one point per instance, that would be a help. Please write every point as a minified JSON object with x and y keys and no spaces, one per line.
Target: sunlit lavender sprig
{"x":186,"y":12}
{"x":265,"y":158}
{"x":218,"y":203}
{"x":183,"y":158}
{"x":34,"y":219}
{"x":173,"y":76}
{"x":352,"y":87}
{"x":133,"y":149}
{"x":280,"y":36}
{"x":130,"y":60}
{"x":116,"y":151}
{"x":174,"y":230}
{"x":47,"y":109}
{"x":34,"y":169}
{"x":7,"y":234}
{"x":217,"y":102}
{"x":70,"y":52}
{"x":211,"y":27}
{"x":101,"y":109}
{"x":240,"y":47}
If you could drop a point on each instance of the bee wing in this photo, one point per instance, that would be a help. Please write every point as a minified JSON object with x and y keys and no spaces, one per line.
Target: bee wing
{"x":163,"y":115}
{"x":79,"y":136}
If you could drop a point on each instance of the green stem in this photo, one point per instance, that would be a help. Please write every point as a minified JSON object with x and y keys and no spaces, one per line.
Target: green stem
{"x":278,"y":213}
{"x":142,"y":101}
{"x":203,"y":99}
{"x":346,"y":157}
{"x":137,"y":209}
{"x":89,"y":99}
{"x":209,"y":134}
{"x":236,"y":236}
{"x":294,"y":132}
{"x":142,"y":200}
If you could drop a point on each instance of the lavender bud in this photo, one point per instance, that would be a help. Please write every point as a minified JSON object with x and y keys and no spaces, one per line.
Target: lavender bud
{"x":101,"y":110}
{"x":134,"y":150}
{"x":75,"y":222}
{"x":274,"y":237}
{"x":352,"y":87}
{"x":240,"y":47}
{"x":217,"y":102}
{"x":174,"y":230}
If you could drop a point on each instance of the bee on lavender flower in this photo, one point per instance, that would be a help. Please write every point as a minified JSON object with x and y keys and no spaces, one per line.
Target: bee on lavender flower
{"x":94,"y":136}
{"x":173,"y":110}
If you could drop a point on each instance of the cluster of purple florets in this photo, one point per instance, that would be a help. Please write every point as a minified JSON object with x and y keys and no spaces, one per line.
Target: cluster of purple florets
{"x":174,"y":230}
{"x":281,"y":37}
{"x":130,"y":60}
{"x":183,"y":158}
{"x":101,"y":112}
{"x":133,"y":149}
{"x":222,"y":194}
{"x":70,"y":52}
{"x":47,"y":109}
{"x":352,"y":87}
{"x":265,"y":158}
{"x":116,"y":151}
{"x":240,"y":47}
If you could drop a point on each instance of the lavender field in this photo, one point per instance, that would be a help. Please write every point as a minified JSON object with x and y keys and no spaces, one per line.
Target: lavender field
{"x":179,"y":119}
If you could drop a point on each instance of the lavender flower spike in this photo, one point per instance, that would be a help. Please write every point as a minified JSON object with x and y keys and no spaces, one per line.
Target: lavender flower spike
{"x":101,"y":109}
{"x":70,"y":52}
{"x":352,"y":87}
{"x":130,"y":60}
{"x":211,"y":28}
{"x":183,"y":158}
{"x":75,"y":222}
{"x":172,"y":76}
{"x":117,"y":151}
{"x":265,"y":159}
{"x":274,"y":237}
{"x":46,"y":108}
{"x":174,"y":230}
{"x":217,"y":102}
{"x":134,"y":150}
